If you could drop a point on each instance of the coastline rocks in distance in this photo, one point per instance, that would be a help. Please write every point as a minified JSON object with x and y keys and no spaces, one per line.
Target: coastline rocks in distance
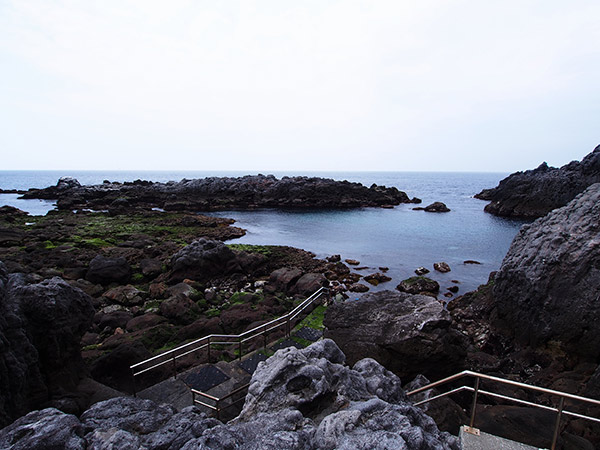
{"x":41,"y":325}
{"x":222,"y":193}
{"x":536,"y":192}
{"x":297,"y":399}
{"x":434,"y":207}
{"x":418,"y":285}
{"x":408,"y":334}
{"x":546,"y":290}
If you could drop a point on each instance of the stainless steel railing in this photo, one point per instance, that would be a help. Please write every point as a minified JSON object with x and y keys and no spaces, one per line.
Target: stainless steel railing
{"x":559,"y":410}
{"x":219,"y":404}
{"x":170,"y":357}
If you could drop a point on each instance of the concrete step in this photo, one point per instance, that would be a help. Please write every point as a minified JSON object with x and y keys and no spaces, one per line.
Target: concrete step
{"x":485,"y":441}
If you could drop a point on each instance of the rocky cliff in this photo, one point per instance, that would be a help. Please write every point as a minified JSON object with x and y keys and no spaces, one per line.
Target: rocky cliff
{"x":210,"y":194}
{"x":534,"y":193}
{"x":298,"y":399}
{"x":41,"y":324}
{"x":547,"y":289}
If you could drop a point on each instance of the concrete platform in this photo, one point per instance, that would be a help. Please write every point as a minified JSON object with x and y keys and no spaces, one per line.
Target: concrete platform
{"x":485,"y":441}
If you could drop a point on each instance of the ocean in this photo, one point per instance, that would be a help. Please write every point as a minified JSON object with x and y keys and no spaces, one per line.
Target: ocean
{"x":399,"y":238}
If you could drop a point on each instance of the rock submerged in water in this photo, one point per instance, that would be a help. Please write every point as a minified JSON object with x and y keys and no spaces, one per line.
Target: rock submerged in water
{"x":434,"y":207}
{"x":419,"y":285}
{"x":297,"y":399}
{"x":441,"y":267}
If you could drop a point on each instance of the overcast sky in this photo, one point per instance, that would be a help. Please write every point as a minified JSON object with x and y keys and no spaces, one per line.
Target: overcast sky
{"x":456,"y":85}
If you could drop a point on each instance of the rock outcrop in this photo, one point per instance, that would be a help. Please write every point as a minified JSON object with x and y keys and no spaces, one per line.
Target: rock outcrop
{"x":409,"y":334}
{"x":41,"y":325}
{"x":534,"y":193}
{"x":298,"y":399}
{"x":434,"y":207}
{"x":209,"y":194}
{"x":547,"y":289}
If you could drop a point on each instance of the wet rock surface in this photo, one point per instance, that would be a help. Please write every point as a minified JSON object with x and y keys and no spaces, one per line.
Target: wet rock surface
{"x":298,"y":399}
{"x":209,"y":194}
{"x":536,"y":192}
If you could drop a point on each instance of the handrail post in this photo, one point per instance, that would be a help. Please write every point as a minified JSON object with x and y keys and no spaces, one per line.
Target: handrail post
{"x":287,"y":326}
{"x":133,"y":383}
{"x":208,"y":347}
{"x":240,"y":348}
{"x":561,"y":404}
{"x":174,"y":366}
{"x":218,"y":409}
{"x":265,"y":338}
{"x":474,"y":405}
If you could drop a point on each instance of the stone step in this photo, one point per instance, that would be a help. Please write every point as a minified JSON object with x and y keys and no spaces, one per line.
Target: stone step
{"x":485,"y":441}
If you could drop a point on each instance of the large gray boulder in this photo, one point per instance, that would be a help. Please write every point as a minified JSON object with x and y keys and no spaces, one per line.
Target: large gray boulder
{"x":408,"y":334}
{"x":534,"y":193}
{"x":298,"y":399}
{"x":203,"y":259}
{"x":547,"y":289}
{"x":41,"y":325}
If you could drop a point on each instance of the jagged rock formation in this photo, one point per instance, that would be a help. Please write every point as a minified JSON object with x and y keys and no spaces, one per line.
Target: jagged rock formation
{"x":534,"y":193}
{"x":409,"y":334}
{"x":298,"y":399}
{"x":209,"y":194}
{"x":41,"y":325}
{"x":548,"y":286}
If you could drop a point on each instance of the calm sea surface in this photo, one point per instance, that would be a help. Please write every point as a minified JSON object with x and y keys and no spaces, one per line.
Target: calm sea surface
{"x":399,"y":238}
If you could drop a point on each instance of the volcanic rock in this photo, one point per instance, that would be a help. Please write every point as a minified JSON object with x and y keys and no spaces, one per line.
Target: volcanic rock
{"x":358,"y":287}
{"x":409,"y":334}
{"x":434,"y":207}
{"x":105,"y":270}
{"x":441,"y":267}
{"x":547,"y":287}
{"x":376,"y":278}
{"x":203,"y":259}
{"x":417,"y":285}
{"x":297,"y":399}
{"x":214,"y":193}
{"x":534,"y":193}
{"x":41,"y":325}
{"x":421,"y":271}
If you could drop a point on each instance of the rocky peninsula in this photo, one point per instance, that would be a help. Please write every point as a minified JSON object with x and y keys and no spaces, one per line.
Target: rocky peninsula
{"x":536,"y":192}
{"x":220,"y":193}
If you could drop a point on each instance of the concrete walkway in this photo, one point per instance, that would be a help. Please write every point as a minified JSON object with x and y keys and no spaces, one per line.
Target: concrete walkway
{"x":485,"y":441}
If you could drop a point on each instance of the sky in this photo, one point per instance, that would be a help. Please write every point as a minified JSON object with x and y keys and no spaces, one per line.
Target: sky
{"x":428,"y":85}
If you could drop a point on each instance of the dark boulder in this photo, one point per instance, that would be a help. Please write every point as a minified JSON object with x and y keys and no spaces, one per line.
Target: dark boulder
{"x":547,"y":289}
{"x":202,"y":260}
{"x":442,"y":267}
{"x":409,"y":334}
{"x":309,"y":283}
{"x":418,"y":285}
{"x":150,"y":268}
{"x":41,"y":325}
{"x":285,"y":278}
{"x":180,"y":309}
{"x":103,"y":270}
{"x":376,"y":278}
{"x":434,"y":207}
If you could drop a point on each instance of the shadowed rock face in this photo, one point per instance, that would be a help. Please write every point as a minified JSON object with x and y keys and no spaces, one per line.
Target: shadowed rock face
{"x":534,"y":193}
{"x":41,"y":325}
{"x":298,"y":399}
{"x":548,"y":286}
{"x":209,"y":194}
{"x":409,"y":334}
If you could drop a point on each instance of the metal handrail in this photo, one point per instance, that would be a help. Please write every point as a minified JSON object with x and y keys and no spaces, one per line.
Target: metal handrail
{"x":217,"y":407}
{"x":476,"y":391}
{"x":171,"y":356}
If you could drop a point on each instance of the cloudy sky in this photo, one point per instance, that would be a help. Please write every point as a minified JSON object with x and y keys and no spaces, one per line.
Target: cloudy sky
{"x":454,"y":85}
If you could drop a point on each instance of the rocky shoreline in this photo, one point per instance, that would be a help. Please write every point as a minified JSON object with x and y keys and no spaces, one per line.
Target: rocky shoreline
{"x":84,"y":295}
{"x":220,"y":193}
{"x":534,"y":193}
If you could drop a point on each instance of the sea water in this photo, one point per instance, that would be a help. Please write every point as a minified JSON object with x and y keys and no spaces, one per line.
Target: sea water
{"x":400,"y":239}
